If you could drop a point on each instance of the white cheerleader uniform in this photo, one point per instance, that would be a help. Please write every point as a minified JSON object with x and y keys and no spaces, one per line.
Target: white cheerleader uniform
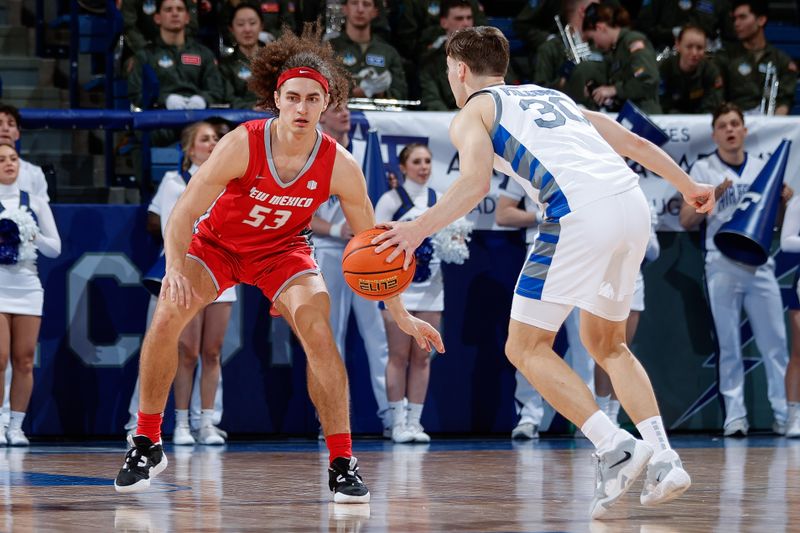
{"x":425,"y":295}
{"x":21,"y":291}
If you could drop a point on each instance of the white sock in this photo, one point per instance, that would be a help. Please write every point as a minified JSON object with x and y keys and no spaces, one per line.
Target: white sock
{"x":653,"y":433}
{"x":602,"y":402}
{"x":182,"y":417}
{"x":398,"y":413}
{"x":414,"y":413}
{"x":794,"y":405}
{"x":206,"y":418}
{"x":15,"y":420}
{"x":612,"y":410}
{"x":597,"y":427}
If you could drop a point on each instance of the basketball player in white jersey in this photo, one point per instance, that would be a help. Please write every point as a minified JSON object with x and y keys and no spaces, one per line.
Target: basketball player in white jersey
{"x":587,"y":253}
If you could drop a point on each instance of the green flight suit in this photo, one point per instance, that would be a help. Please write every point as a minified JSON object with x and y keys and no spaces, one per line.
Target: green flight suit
{"x":660,"y":18}
{"x":379,"y":55}
{"x":744,"y":70}
{"x":235,"y":71}
{"x":700,"y":91}
{"x":548,"y":72}
{"x":191,"y":69}
{"x":418,"y":25}
{"x":139,"y":26}
{"x":634,"y":72}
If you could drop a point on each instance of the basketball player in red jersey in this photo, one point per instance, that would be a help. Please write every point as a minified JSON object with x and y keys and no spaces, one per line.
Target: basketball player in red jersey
{"x":250,"y":205}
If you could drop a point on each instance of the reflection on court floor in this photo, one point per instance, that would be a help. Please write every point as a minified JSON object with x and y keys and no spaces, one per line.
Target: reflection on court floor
{"x":450,"y":485}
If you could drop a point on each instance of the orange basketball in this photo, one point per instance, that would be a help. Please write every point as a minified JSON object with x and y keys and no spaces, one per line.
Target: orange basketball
{"x":368,"y":273}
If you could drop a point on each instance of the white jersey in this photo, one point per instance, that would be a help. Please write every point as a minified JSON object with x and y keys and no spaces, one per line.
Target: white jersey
{"x":543,"y":141}
{"x":713,"y":171}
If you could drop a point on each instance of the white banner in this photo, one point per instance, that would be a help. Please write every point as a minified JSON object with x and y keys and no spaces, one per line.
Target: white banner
{"x":690,"y":137}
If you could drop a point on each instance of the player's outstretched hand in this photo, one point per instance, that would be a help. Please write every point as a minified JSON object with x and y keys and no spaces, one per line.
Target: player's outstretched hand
{"x":177,"y":288}
{"x":426,"y":335}
{"x":701,"y":197}
{"x":404,"y":235}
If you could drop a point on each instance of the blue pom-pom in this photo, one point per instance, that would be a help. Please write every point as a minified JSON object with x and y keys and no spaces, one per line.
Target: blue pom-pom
{"x":9,"y":242}
{"x":423,"y":256}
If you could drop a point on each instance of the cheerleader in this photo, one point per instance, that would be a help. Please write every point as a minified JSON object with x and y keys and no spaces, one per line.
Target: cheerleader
{"x":26,"y":225}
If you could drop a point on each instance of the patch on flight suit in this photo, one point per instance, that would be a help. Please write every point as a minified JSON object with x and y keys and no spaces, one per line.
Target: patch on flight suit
{"x":165,"y":61}
{"x":635,"y":46}
{"x":191,"y":59}
{"x":744,"y":69}
{"x":374,"y":60}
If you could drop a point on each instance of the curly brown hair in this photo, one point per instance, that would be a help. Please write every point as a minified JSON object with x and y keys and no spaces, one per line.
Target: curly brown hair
{"x":291,"y":51}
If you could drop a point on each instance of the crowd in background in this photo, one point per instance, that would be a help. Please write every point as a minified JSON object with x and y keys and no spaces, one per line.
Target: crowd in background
{"x":673,"y":57}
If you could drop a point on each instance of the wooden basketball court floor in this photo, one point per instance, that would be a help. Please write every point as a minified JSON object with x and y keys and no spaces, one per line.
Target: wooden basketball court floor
{"x":449,"y":485}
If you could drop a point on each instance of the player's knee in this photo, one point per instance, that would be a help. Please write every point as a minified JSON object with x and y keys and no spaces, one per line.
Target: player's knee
{"x":23,"y":363}
{"x":316,"y":336}
{"x":211,"y":355}
{"x":187,"y":355}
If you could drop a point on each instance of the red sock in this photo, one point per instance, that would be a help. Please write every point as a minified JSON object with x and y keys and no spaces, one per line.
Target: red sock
{"x":339,"y":445}
{"x":149,"y":425}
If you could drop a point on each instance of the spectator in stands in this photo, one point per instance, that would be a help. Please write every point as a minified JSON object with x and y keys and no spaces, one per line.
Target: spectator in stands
{"x":140,"y":27}
{"x":419,"y":25}
{"x":535,"y":24}
{"x":662,"y":20}
{"x":245,"y":26}
{"x":633,"y":72}
{"x":375,"y":64}
{"x":331,"y":234}
{"x":26,"y":226}
{"x":690,"y":82}
{"x":31,"y":178}
{"x":436,"y":92}
{"x":408,"y":371}
{"x":744,"y":63}
{"x":187,"y":71}
{"x":274,"y":15}
{"x":203,"y":336}
{"x":555,"y":71}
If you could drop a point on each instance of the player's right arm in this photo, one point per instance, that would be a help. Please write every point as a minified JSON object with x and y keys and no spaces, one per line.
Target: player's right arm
{"x":228,"y":161}
{"x":469,"y":132}
{"x":653,"y":158}
{"x":790,"y":232}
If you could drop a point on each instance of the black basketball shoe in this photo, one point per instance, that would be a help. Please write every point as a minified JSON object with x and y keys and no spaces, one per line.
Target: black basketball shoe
{"x":344,"y":481}
{"x":143,"y":462}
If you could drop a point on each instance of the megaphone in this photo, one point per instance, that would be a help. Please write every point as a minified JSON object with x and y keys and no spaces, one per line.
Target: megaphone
{"x":374,"y":169}
{"x":152,"y":279}
{"x":747,"y":236}
{"x":637,"y":121}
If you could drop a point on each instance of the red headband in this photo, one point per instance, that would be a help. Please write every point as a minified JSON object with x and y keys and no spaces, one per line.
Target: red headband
{"x":302,"y":72}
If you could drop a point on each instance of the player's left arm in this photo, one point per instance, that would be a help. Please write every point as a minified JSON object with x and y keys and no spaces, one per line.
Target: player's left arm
{"x":469,"y":132}
{"x":628,"y":144}
{"x":349,"y":184}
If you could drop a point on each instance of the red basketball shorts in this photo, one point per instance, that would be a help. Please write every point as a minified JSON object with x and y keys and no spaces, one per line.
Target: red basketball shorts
{"x":270,"y":273}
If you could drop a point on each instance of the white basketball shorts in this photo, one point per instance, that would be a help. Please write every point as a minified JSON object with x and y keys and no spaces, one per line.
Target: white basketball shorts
{"x":588,"y":258}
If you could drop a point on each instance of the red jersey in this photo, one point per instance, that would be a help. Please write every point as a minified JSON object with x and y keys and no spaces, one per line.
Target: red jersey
{"x":258,"y":212}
